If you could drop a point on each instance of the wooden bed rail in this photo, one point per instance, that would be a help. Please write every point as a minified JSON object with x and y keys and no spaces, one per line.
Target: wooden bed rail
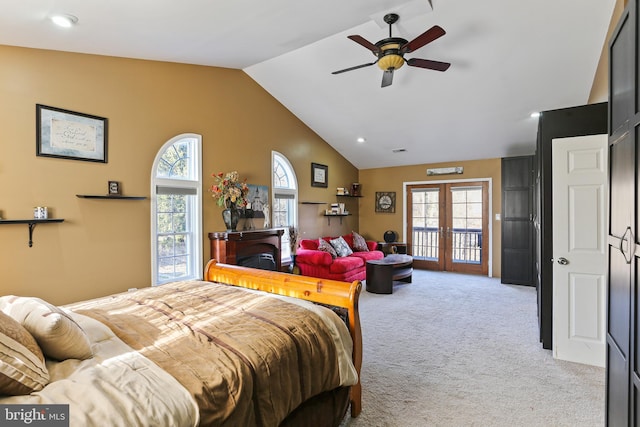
{"x":323,"y":291}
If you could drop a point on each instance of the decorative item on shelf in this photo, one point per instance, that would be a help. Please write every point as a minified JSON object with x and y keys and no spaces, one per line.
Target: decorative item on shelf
{"x":114,"y":188}
{"x":267,"y":217}
{"x":248,"y":214}
{"x":341,"y":191}
{"x":40,"y":212}
{"x":355,"y":189}
{"x":231,"y":194}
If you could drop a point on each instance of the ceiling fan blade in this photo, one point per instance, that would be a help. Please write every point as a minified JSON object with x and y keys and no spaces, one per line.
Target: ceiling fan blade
{"x":353,"y":68}
{"x":427,"y":63}
{"x":428,"y":36}
{"x":364,"y":42}
{"x":387,"y":77}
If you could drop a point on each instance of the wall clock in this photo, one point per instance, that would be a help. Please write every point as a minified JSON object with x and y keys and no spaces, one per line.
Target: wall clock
{"x":386,"y":201}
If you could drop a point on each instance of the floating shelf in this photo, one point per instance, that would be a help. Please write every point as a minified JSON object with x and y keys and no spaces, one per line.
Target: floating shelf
{"x":112,"y":197}
{"x":313,"y":203}
{"x":32,"y":224}
{"x":346,"y":195}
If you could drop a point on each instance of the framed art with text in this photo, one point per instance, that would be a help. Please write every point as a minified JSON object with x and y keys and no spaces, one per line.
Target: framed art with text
{"x":319,"y":175}
{"x":70,"y":135}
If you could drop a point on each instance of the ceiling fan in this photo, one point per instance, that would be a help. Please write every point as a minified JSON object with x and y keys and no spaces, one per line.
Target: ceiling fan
{"x":390,"y":51}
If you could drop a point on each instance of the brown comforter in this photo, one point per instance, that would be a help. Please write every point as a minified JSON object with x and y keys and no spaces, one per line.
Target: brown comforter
{"x":247,"y":359}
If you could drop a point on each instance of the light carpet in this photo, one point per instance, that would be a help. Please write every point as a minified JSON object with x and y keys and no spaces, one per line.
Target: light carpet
{"x":462,"y":350}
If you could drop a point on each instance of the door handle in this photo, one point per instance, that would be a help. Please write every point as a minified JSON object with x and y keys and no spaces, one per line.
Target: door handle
{"x":563,"y":261}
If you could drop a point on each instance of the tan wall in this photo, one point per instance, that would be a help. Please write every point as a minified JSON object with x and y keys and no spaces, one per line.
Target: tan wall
{"x":600,"y":88}
{"x":373,"y":225}
{"x":103,"y":247}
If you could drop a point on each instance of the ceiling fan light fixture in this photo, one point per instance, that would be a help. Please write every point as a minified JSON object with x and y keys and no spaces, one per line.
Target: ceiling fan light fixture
{"x":392,"y":61}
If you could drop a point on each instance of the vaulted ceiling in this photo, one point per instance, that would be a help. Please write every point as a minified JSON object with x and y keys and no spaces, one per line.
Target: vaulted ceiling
{"x":508,"y":59}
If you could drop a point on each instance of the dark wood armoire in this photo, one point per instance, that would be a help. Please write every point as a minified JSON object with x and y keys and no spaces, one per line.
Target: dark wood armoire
{"x":623,"y":365}
{"x":518,"y":208}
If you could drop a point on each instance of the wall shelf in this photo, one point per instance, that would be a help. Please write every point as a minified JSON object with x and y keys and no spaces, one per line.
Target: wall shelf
{"x":313,"y":203}
{"x":329,"y":216}
{"x":112,"y":197}
{"x":346,"y":195}
{"x":32,"y":224}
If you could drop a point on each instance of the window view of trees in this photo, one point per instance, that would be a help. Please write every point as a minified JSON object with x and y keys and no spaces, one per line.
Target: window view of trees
{"x":285,"y":195}
{"x":177,"y":252}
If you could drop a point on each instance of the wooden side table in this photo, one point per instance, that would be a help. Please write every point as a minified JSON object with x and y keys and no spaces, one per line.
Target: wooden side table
{"x":382,"y":272}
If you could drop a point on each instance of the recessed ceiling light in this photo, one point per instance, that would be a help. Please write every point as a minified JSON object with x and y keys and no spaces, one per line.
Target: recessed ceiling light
{"x":535,"y":114}
{"x":361,"y":140}
{"x":65,"y":21}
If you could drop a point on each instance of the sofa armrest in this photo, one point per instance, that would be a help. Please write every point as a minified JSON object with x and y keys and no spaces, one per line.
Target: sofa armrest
{"x":372,"y":245}
{"x":313,"y":257}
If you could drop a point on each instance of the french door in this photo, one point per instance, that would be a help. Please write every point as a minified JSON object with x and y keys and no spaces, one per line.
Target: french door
{"x":447,"y":226}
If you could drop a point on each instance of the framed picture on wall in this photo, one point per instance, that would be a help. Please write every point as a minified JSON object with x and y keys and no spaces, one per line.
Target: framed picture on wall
{"x":70,"y":135}
{"x":386,"y":201}
{"x":319,"y":175}
{"x":258,"y":199}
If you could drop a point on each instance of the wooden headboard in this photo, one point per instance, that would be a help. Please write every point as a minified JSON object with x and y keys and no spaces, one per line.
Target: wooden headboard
{"x":330,"y":292}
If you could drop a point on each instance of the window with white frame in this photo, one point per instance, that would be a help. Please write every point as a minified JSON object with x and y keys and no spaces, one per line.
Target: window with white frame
{"x":176,"y":210}
{"x":284,"y":212}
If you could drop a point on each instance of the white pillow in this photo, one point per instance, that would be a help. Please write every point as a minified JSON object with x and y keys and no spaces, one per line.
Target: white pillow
{"x":341,"y":246}
{"x":58,"y":335}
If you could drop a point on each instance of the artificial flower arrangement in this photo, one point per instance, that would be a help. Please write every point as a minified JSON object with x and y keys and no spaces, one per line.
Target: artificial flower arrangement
{"x":229,"y":191}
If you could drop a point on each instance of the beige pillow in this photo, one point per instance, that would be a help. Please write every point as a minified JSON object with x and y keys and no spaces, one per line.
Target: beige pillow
{"x":59,"y":336}
{"x":22,"y":368}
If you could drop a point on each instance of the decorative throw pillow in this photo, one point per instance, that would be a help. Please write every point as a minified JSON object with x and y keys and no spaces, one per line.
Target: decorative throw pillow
{"x":341,"y":246}
{"x":324,"y":246}
{"x":359,"y":243}
{"x":22,"y":367}
{"x":59,"y":336}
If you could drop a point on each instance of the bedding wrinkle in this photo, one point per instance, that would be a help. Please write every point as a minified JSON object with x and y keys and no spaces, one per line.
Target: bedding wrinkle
{"x":248,"y":359}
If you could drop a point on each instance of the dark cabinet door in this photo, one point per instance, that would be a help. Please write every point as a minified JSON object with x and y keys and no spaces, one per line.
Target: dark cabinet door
{"x":517,"y":221}
{"x":623,"y":378}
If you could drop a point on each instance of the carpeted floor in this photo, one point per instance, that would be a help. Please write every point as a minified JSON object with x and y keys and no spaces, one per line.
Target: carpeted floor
{"x":461,"y":350}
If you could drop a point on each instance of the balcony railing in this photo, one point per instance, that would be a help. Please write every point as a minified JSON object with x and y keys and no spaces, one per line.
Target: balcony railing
{"x":466,"y":244}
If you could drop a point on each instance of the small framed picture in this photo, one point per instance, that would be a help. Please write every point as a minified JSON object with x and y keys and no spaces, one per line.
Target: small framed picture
{"x":114,"y":188}
{"x":319,"y":175}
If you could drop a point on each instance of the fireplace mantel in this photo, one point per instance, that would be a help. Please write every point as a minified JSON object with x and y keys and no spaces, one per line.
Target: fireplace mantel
{"x":229,"y":246}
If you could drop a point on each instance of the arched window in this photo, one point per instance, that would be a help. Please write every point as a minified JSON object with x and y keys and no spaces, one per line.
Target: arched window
{"x":284,"y":212}
{"x":176,"y":210}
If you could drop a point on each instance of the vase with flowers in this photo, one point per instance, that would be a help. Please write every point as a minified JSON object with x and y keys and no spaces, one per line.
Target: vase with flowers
{"x":230,"y":193}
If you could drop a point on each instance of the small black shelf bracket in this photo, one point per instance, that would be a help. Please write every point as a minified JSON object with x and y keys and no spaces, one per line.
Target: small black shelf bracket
{"x":335,"y":215}
{"x":31,"y":223}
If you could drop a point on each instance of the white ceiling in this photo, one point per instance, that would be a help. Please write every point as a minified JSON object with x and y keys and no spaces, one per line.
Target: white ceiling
{"x":509,"y":58}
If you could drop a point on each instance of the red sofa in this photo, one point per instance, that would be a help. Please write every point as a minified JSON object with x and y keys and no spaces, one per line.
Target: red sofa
{"x":315,"y":263}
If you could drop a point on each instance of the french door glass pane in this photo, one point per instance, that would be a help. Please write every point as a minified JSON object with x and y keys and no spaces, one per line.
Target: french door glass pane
{"x":466,"y":233}
{"x":426,"y":220}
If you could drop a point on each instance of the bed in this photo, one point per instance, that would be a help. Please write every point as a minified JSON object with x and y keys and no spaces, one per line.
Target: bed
{"x":242,"y":347}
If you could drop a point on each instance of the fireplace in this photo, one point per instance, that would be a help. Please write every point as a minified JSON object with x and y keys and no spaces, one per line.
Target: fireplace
{"x":256,"y":247}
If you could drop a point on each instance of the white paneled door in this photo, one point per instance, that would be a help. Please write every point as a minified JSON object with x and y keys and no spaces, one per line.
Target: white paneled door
{"x":579,"y":248}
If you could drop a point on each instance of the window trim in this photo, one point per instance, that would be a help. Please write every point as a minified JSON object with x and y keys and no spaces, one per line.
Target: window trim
{"x":289,"y":193}
{"x":193,"y":186}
